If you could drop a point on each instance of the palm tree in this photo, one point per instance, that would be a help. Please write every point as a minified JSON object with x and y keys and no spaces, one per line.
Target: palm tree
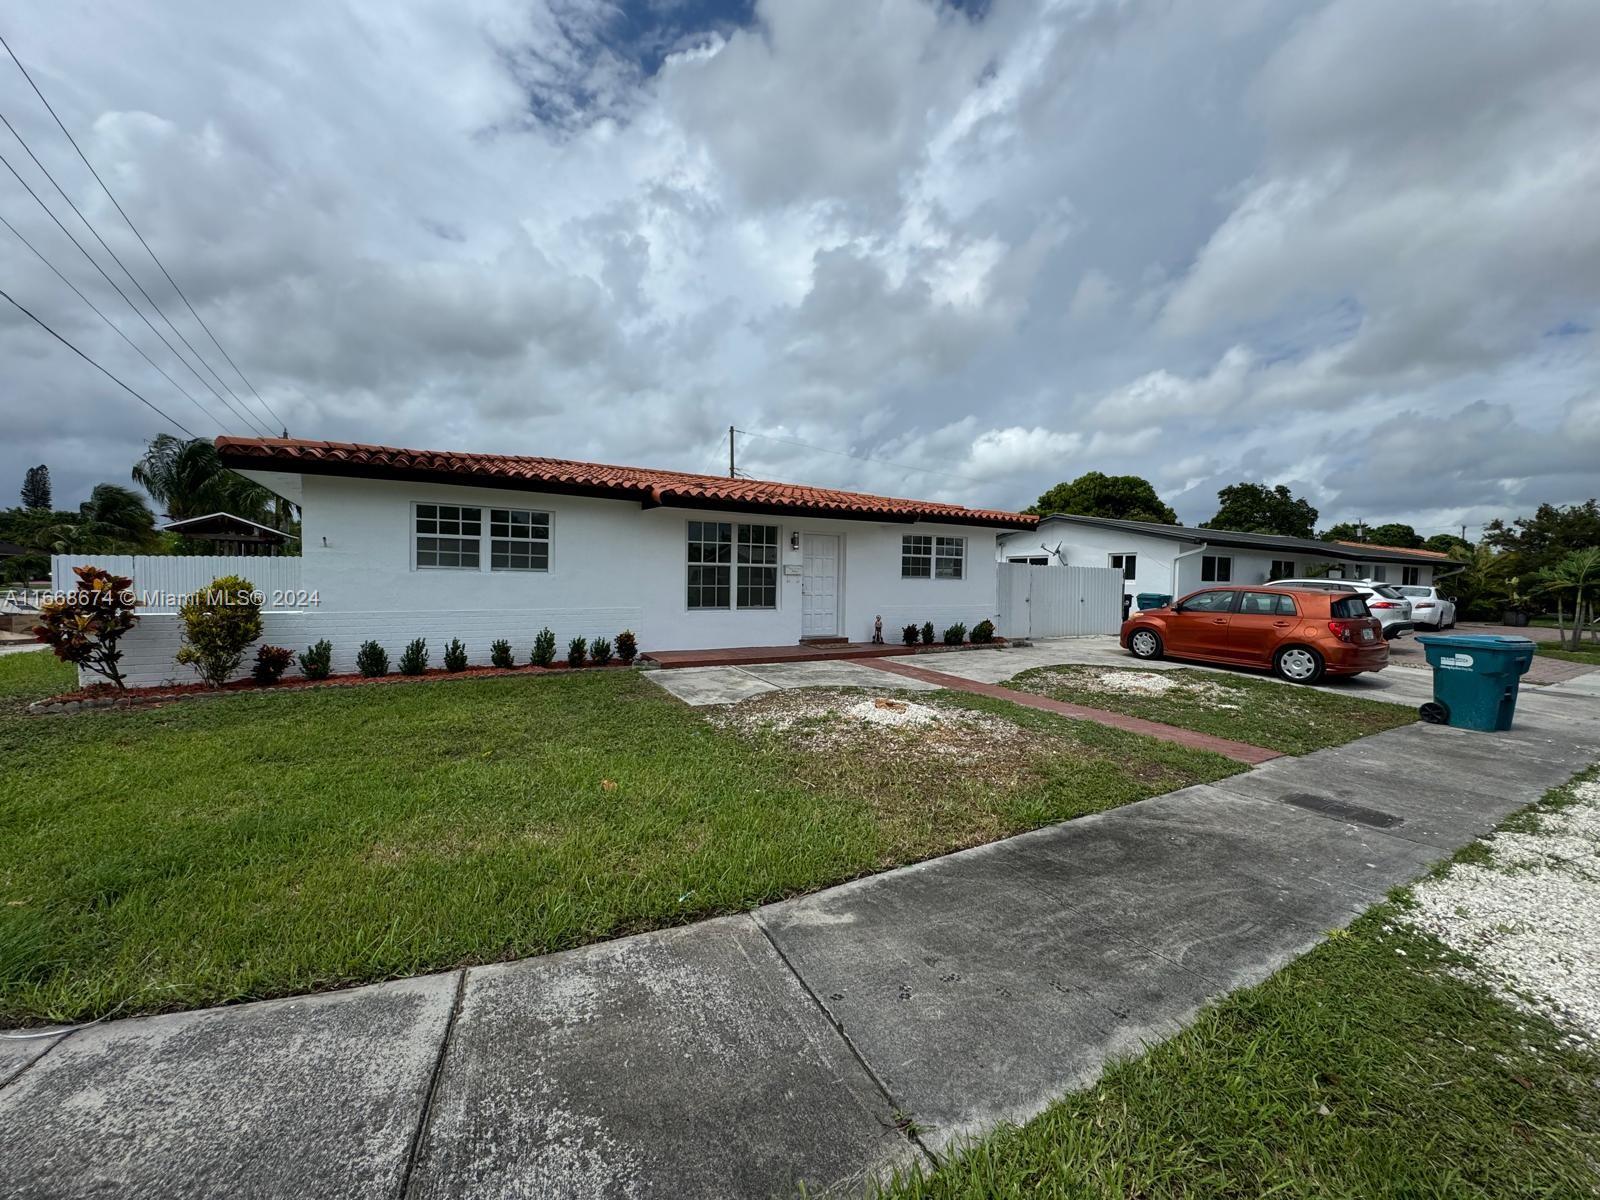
{"x":187,"y":479}
{"x":1481,"y":581}
{"x":1576,"y":575}
{"x":113,"y":520}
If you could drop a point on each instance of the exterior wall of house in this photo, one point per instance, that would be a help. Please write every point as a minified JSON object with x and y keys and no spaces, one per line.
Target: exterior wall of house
{"x":1089,"y":546}
{"x":612,"y":566}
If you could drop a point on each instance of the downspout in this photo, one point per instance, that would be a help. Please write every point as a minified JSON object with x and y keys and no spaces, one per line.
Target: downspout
{"x":1200,"y":549}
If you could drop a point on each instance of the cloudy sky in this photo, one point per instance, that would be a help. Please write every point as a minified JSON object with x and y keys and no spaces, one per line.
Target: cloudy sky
{"x":1352,"y":247}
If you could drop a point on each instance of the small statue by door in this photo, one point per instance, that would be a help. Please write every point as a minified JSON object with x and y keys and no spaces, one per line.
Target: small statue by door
{"x":877,"y":631}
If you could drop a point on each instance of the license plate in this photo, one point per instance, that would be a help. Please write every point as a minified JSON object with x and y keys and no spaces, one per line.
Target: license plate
{"x":1366,"y":635}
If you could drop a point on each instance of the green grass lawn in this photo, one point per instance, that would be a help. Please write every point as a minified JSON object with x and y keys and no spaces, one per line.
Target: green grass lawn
{"x":1589,"y":655}
{"x":1262,"y":712}
{"x":1373,"y":1066}
{"x":263,"y":845}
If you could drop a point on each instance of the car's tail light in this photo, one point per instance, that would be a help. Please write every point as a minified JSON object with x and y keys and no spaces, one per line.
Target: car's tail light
{"x":1344,"y":630}
{"x":1423,"y":604}
{"x":1382,"y":604}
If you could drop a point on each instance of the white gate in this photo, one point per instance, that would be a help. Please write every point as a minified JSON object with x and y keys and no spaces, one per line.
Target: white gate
{"x":1059,"y":601}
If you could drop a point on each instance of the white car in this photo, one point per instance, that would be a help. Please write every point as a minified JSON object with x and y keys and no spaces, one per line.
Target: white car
{"x":1386,"y":603}
{"x":1429,"y":610}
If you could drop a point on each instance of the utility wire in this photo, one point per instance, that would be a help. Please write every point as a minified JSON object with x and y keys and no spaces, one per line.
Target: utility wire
{"x":162,"y":266}
{"x":863,"y":457}
{"x":83,"y":250}
{"x":7,"y":296}
{"x":138,"y":348}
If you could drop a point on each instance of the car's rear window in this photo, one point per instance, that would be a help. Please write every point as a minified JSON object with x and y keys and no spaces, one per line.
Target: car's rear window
{"x":1414,"y":591}
{"x":1348,"y":608}
{"x":1392,"y":593}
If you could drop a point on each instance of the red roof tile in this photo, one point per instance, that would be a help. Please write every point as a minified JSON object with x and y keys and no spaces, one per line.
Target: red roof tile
{"x":1394,"y":549}
{"x":648,"y":487}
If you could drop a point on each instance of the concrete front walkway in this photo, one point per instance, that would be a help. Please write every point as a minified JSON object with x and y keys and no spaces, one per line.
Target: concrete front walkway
{"x":741,"y":1056}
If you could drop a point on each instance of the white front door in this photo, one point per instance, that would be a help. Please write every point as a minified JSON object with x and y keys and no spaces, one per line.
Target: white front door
{"x":819,"y":585}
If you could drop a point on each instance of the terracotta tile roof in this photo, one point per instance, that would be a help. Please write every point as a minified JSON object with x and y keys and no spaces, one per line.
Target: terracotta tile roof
{"x":1395,"y":549}
{"x":649,"y":487}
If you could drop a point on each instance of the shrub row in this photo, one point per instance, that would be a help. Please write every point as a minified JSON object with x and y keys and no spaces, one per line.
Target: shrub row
{"x":955,"y":635}
{"x":372,"y":660}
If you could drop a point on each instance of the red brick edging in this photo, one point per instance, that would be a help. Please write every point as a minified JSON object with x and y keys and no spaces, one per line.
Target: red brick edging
{"x":1238,"y":751}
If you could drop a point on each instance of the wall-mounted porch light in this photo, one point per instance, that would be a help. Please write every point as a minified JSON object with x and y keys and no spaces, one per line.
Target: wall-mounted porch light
{"x":794,"y":541}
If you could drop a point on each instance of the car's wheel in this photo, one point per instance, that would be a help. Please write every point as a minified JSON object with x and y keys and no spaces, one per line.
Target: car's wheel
{"x":1145,"y":643}
{"x":1298,"y":664}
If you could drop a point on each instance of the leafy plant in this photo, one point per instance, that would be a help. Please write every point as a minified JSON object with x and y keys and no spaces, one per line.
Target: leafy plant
{"x":455,"y":656}
{"x":414,"y":658}
{"x":500,"y":654}
{"x":84,"y":626}
{"x":927,"y":633}
{"x":316,"y":662}
{"x":627,"y":647}
{"x":219,"y":623}
{"x":544,"y":648}
{"x":271,"y":662}
{"x":955,"y":635}
{"x":910,"y":634}
{"x":577,"y":651}
{"x":372,"y":660}
{"x":983,"y":632}
{"x":600,"y":652}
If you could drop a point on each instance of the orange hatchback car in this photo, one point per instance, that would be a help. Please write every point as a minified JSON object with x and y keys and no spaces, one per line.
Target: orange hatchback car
{"x":1301,"y":635}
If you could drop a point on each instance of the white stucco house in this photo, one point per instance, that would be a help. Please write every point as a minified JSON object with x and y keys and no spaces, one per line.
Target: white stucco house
{"x":1174,"y":559}
{"x":398,"y":544}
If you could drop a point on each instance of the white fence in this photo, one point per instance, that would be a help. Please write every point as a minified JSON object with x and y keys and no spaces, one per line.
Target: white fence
{"x":1059,"y":601}
{"x":160,"y":579}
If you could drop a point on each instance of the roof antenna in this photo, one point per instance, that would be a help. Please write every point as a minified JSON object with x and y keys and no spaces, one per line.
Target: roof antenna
{"x":732,"y":471}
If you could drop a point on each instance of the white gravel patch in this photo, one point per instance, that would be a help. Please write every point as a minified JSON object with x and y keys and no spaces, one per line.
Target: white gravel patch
{"x":1531,"y":917}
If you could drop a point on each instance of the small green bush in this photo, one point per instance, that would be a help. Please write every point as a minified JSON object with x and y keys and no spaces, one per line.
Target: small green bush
{"x":219,"y":623}
{"x":544,"y":648}
{"x":316,"y":662}
{"x":927,"y":633}
{"x":910,"y":634}
{"x":600,"y":652}
{"x":271,"y":662}
{"x":500,"y":654}
{"x":414,"y":658}
{"x":955,"y":635}
{"x":577,"y":651}
{"x":627,"y":647}
{"x":983,"y":632}
{"x":455,"y":655}
{"x":372,"y":660}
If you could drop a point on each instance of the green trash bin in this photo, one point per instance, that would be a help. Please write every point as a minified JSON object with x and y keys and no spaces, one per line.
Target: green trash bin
{"x":1152,"y":600}
{"x":1475,"y":679}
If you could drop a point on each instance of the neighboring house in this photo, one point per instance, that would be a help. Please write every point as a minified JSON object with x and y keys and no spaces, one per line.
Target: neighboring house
{"x":1175,"y":559}
{"x":9,"y":550}
{"x":398,"y":544}
{"x":224,"y":533}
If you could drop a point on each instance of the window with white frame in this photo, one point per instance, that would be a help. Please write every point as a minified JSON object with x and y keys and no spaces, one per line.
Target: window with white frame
{"x":1410,"y":576}
{"x":1126,"y":563}
{"x":449,"y":535}
{"x":1380,"y":574}
{"x":519,"y":540}
{"x":923,"y":556}
{"x":1282,"y":568}
{"x":1216,"y":568}
{"x":732,"y":566}
{"x":1035,"y":560}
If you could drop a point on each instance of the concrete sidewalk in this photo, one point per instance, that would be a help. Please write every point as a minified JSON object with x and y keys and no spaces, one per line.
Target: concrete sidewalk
{"x":741,"y":1056}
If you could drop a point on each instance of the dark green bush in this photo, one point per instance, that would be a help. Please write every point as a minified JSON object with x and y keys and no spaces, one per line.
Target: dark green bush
{"x":455,"y":656}
{"x":544,"y":648}
{"x":414,"y":658}
{"x":577,"y":651}
{"x":219,"y":623}
{"x":271,"y":662}
{"x":910,"y":634}
{"x":983,"y":632}
{"x":372,"y":660}
{"x":927,"y":633}
{"x":627,"y":647}
{"x":955,"y":635}
{"x":316,"y":662}
{"x":600,"y":652}
{"x":500,"y":654}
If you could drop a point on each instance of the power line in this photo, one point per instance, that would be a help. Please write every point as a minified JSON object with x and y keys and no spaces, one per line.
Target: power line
{"x":83,"y":250}
{"x":103,"y":317}
{"x":7,"y":296}
{"x":162,"y":266}
{"x":862,"y":457}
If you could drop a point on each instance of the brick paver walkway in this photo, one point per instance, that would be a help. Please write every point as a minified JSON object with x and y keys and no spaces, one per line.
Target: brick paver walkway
{"x":1238,"y":751}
